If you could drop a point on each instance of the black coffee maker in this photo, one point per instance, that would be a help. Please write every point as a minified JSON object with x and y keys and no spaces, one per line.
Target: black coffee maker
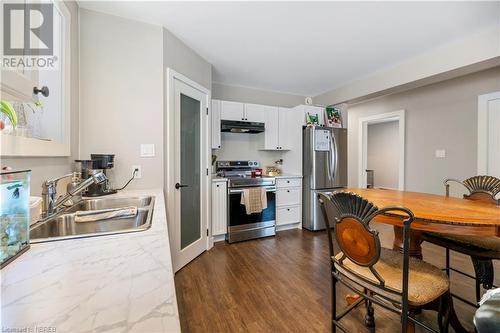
{"x":97,"y":163}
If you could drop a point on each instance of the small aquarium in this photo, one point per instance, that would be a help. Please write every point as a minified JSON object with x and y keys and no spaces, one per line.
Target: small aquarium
{"x":14,"y":214}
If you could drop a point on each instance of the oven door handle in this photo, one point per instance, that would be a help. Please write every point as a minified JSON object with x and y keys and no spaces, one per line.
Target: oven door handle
{"x":234,"y":191}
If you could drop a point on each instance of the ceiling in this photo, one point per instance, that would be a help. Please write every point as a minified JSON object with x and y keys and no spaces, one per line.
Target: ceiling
{"x":307,"y":48}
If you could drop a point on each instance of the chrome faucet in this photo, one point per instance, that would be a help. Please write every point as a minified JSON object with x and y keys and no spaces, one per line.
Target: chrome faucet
{"x":51,"y":202}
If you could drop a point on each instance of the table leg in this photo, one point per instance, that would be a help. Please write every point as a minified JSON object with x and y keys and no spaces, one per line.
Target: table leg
{"x":415,"y":242}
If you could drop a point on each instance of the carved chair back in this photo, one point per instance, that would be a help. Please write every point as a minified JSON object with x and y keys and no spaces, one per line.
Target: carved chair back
{"x":347,"y":219}
{"x":481,"y":188}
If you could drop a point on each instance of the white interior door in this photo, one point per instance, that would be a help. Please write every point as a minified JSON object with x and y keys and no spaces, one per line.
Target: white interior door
{"x":191,"y":147}
{"x":489,"y":135}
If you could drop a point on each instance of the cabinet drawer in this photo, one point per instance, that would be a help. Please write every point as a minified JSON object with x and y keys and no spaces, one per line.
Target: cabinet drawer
{"x":288,"y":196}
{"x":288,"y":182}
{"x":287,"y":215}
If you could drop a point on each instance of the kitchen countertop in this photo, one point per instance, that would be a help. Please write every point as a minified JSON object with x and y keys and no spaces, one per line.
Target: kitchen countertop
{"x":116,"y":283}
{"x":223,"y":179}
{"x":285,"y":175}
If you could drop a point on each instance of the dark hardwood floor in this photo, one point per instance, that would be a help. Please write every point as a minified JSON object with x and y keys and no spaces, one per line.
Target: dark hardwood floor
{"x":282,"y":284}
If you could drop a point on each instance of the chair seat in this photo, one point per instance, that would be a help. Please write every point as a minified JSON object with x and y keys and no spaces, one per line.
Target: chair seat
{"x":426,"y":282}
{"x":481,"y":246}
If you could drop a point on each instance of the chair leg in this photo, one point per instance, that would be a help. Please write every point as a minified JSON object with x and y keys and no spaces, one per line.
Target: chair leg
{"x":334,"y":303}
{"x":447,"y":262}
{"x":405,"y":328}
{"x":444,"y":313}
{"x":370,"y":314}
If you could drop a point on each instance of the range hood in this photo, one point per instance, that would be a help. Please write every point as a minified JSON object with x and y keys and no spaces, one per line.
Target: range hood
{"x":232,"y":126}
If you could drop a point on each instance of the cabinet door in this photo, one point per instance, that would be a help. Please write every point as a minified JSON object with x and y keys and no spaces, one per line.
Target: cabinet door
{"x":257,"y":113}
{"x":232,"y":111}
{"x":219,"y":208}
{"x":286,"y":128}
{"x":216,"y":124}
{"x":287,"y":215}
{"x":271,"y":132}
{"x":288,"y":196}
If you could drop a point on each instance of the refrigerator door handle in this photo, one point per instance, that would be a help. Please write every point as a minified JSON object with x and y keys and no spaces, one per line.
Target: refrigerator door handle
{"x":329,"y":160}
{"x":333,"y":156}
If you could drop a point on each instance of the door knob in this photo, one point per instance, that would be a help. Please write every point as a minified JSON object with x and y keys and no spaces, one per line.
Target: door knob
{"x":44,"y":91}
{"x":178,"y":186}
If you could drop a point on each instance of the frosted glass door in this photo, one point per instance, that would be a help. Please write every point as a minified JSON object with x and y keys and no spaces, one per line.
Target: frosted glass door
{"x":190,"y":160}
{"x":190,"y":171}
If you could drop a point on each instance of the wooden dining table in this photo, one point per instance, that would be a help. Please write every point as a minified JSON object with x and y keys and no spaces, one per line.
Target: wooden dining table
{"x":434,"y":213}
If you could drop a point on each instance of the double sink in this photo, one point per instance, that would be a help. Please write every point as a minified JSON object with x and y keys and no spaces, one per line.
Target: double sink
{"x":63,"y":225}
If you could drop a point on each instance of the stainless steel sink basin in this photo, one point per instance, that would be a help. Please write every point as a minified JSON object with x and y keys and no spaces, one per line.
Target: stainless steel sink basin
{"x":63,"y":225}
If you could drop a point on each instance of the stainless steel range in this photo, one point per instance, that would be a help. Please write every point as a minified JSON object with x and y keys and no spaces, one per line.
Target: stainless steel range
{"x":241,"y":175}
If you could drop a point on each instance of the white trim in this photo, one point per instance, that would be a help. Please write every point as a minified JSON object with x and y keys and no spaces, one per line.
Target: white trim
{"x":289,"y":226}
{"x":363,"y":144}
{"x":171,"y":76}
{"x":218,"y":238}
{"x":482,"y":131}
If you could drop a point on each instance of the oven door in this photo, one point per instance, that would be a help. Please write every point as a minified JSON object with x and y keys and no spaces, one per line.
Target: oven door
{"x":243,"y":226}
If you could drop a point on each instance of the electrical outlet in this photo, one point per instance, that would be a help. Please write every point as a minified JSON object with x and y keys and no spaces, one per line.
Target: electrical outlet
{"x":138,"y":174}
{"x":440,"y":153}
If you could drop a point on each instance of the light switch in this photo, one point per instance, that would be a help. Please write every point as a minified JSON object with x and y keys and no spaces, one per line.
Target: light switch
{"x":440,"y":153}
{"x":147,"y":150}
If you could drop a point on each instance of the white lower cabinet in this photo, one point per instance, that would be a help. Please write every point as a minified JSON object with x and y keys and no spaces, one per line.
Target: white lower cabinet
{"x":288,"y":201}
{"x":288,"y":215}
{"x":219,"y":207}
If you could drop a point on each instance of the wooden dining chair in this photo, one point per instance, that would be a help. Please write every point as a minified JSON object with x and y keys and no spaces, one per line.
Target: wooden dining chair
{"x":391,"y":279}
{"x":481,"y":249}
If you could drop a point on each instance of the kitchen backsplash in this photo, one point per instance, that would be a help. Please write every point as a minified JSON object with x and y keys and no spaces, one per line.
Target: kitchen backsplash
{"x":237,"y":146}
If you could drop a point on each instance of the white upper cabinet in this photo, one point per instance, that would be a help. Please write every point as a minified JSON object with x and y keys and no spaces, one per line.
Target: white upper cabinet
{"x":216,"y":137}
{"x":271,"y":133}
{"x":286,"y":128}
{"x":232,"y":111}
{"x":279,"y":129}
{"x":257,"y":113}
{"x":244,"y":112}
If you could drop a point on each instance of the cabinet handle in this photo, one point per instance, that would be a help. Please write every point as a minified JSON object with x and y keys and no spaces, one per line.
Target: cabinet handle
{"x":288,"y":209}
{"x":288,"y":191}
{"x":218,"y":146}
{"x":288,"y":181}
{"x":217,"y":185}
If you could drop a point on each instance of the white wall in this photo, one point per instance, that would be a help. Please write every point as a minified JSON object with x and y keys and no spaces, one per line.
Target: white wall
{"x":467,"y":55}
{"x":255,"y":96}
{"x":438,"y":116}
{"x":383,"y":153}
{"x":121,"y":94}
{"x":184,"y":60}
{"x":44,"y":168}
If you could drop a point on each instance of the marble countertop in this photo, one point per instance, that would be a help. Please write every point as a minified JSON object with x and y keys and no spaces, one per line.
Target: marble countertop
{"x":116,"y":283}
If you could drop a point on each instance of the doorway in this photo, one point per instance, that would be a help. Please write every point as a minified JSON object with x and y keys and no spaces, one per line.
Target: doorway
{"x":188,"y":152}
{"x":488,"y":159}
{"x":381,"y":149}
{"x":383,"y":154}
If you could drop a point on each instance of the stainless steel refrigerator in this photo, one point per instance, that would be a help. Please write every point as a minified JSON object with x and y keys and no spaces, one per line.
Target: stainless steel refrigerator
{"x":324,"y":165}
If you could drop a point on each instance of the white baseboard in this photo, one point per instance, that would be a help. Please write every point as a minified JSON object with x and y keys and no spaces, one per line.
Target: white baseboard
{"x":289,"y":226}
{"x":219,"y":238}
